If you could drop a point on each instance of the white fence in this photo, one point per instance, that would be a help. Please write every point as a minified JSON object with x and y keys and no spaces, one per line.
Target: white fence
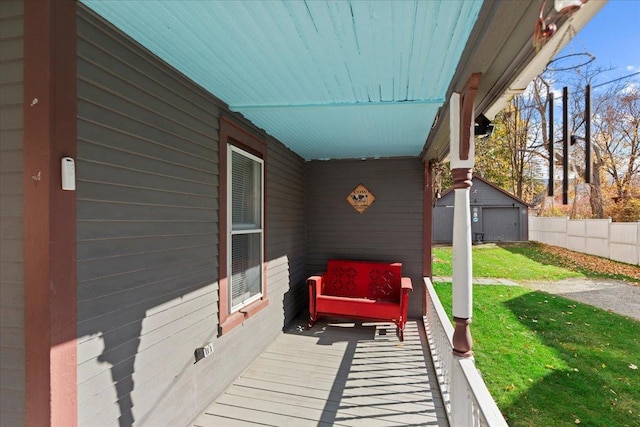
{"x":466,"y":397}
{"x":619,"y":241}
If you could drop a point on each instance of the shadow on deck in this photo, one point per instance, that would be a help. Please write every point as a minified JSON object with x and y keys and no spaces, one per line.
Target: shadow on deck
{"x":337,"y":373}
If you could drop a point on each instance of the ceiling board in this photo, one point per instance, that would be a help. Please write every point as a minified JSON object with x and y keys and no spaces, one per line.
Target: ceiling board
{"x":369,"y":74}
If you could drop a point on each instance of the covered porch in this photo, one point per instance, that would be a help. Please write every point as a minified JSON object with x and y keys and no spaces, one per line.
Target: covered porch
{"x":151,"y":99}
{"x":353,"y":373}
{"x":339,"y":372}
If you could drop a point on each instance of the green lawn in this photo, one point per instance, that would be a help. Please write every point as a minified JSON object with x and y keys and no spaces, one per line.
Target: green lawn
{"x":547,"y":360}
{"x":550,"y":361}
{"x":496,"y":261}
{"x":518,"y":261}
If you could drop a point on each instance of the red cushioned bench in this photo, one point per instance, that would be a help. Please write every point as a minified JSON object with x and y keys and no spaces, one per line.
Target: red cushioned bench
{"x":361,"y":289}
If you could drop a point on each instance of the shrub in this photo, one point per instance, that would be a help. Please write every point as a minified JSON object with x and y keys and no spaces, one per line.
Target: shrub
{"x":627,"y":210}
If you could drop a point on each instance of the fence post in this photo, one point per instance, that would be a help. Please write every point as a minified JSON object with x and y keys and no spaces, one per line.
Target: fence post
{"x":609,"y":238}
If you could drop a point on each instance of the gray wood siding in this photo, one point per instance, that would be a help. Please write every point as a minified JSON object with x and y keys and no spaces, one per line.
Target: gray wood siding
{"x":482,"y":194}
{"x":146,"y":228}
{"x":148,"y":209}
{"x":12,"y":357}
{"x":485,"y":195}
{"x":285,"y":233}
{"x":443,"y":223}
{"x":390,"y":230}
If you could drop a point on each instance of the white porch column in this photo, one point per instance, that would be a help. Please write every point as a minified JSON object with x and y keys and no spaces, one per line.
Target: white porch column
{"x":462,"y":161}
{"x":462,"y":259}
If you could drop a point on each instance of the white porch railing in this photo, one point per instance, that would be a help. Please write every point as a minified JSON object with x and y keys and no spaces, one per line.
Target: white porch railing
{"x":466,"y":398}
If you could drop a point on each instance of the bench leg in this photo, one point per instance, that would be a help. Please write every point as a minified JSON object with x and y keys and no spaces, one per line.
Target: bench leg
{"x":312,"y":321}
{"x":400,"y":329}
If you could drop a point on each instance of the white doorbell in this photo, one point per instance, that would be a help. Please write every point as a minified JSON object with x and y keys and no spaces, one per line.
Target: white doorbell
{"x":68,"y":174}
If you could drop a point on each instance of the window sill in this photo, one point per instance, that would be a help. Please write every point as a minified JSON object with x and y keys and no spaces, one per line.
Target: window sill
{"x":237,"y":318}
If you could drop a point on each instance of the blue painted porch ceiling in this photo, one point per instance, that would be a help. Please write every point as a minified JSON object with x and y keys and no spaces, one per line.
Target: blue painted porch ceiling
{"x":330,"y":79}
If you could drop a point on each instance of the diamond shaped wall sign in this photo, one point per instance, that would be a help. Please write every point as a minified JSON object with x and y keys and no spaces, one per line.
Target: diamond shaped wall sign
{"x":361,"y":198}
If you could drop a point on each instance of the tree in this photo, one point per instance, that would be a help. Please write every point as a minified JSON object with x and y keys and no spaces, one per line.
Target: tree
{"x":492,"y":158}
{"x":515,"y":156}
{"x":511,"y":157}
{"x":615,"y":121}
{"x":578,"y":79}
{"x":617,"y":136}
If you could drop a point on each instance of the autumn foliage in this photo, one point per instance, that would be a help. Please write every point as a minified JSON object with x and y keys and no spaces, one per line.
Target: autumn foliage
{"x":580,"y":261}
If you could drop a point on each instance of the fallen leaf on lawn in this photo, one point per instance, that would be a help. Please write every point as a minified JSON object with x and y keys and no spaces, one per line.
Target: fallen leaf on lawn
{"x":577,"y":421}
{"x":534,"y":320}
{"x":569,"y":323}
{"x":634,"y":367}
{"x":590,"y":262}
{"x":510,"y":387}
{"x":604,"y":366}
{"x":549,"y":366}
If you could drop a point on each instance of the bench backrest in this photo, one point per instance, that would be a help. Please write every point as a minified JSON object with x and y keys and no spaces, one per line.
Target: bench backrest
{"x":363,"y":279}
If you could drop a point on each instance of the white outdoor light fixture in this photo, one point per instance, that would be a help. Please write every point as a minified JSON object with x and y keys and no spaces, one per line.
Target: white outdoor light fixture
{"x":568,"y":6}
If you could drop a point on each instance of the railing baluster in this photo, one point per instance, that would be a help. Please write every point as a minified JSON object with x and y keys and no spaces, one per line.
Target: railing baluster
{"x":458,"y":377}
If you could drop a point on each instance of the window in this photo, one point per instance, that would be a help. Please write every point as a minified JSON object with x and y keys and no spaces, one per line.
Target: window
{"x":245,"y":258}
{"x":243,"y":288}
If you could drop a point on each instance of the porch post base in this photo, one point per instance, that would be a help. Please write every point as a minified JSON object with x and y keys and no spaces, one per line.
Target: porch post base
{"x":462,"y":342}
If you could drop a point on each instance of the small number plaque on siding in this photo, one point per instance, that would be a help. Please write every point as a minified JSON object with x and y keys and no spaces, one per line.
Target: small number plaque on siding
{"x":361,"y":198}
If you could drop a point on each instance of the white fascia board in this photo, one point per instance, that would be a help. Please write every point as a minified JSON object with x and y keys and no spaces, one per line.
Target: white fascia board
{"x":537,"y":65}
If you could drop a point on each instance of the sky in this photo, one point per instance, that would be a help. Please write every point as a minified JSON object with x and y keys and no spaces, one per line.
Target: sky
{"x":613,"y":37}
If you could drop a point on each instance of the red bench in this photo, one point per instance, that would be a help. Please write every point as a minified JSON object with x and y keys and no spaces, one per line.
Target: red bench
{"x":361,"y":289}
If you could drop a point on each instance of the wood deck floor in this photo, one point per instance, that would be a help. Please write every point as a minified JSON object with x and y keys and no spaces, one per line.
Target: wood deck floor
{"x":338,"y":373}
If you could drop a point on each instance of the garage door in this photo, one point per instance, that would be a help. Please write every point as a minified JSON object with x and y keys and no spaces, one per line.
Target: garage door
{"x":501,"y":224}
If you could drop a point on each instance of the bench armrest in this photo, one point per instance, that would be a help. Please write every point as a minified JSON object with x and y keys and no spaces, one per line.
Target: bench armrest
{"x":406,"y":283}
{"x":406,"y":286}
{"x":315,"y":289}
{"x":315,"y":285}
